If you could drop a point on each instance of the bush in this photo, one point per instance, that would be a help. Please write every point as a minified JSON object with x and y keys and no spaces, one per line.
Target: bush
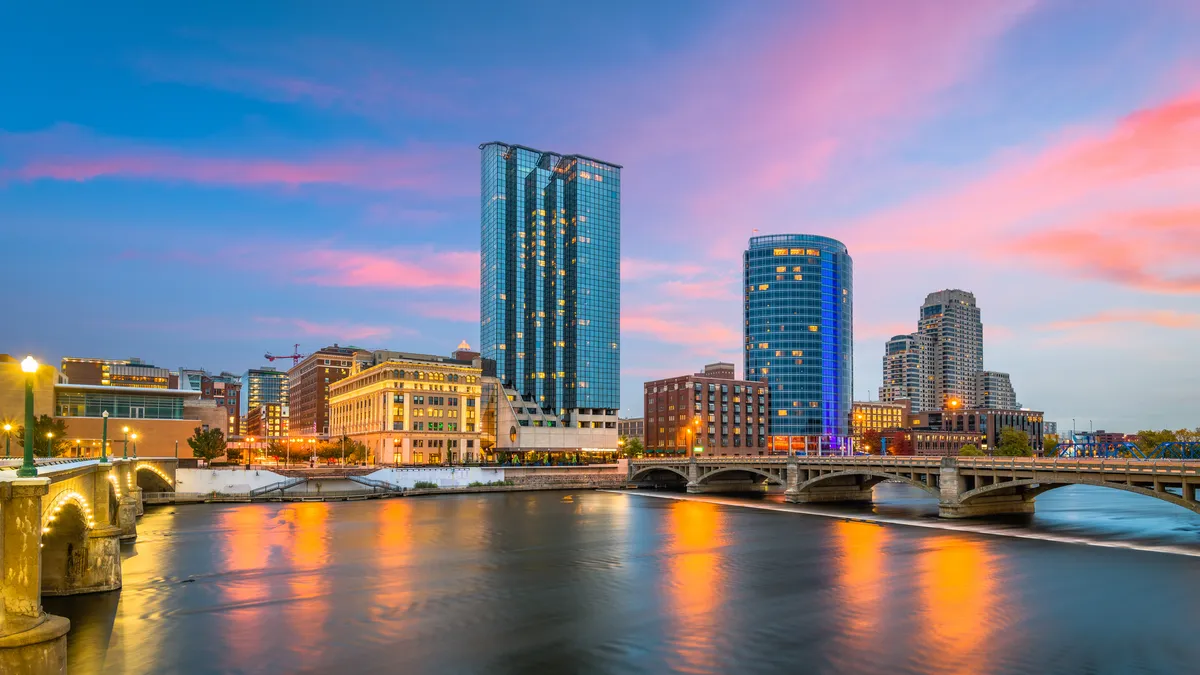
{"x":424,"y":485}
{"x":475,"y":483}
{"x":969,"y":451}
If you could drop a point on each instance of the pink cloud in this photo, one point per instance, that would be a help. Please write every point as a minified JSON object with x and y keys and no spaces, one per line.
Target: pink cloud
{"x":642,"y":269}
{"x":704,"y":334}
{"x":332,"y":331}
{"x":68,"y":154}
{"x":450,"y":309}
{"x":383,"y":269}
{"x":1117,"y":204}
{"x":1158,"y":318}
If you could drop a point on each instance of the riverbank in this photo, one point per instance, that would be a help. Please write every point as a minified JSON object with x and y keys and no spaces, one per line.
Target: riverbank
{"x":1010,"y":528}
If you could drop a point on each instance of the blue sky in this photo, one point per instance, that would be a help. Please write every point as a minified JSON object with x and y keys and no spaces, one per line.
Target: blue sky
{"x":199,"y":185}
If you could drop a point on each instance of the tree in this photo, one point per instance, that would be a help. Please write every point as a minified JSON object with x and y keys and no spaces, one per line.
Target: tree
{"x":899,"y":443}
{"x":872,"y":442}
{"x":631,"y":446}
{"x":44,"y":446}
{"x":277,"y":449}
{"x":1013,"y":443}
{"x":970,"y":450}
{"x":1149,"y":440}
{"x":1050,"y":447}
{"x":207,"y":445}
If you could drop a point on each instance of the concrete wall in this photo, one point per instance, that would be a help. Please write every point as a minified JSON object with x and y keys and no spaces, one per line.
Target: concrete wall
{"x":442,"y":476}
{"x":224,"y":480}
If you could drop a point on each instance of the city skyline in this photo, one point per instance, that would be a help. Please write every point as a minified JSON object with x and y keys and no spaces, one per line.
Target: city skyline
{"x":218,"y":191}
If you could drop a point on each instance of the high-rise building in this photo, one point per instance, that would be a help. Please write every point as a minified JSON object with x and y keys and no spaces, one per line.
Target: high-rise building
{"x":308,"y":388}
{"x":550,"y":300}
{"x":952,"y":323}
{"x":115,"y":373}
{"x":799,"y":335}
{"x":265,"y":394}
{"x":908,"y":372}
{"x":710,"y":412}
{"x":994,"y":390}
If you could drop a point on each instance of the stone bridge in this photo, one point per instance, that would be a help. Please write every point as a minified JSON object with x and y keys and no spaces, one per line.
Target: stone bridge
{"x":60,"y":534}
{"x":964,"y":486}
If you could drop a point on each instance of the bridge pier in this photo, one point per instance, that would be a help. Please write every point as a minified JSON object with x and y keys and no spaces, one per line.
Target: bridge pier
{"x":953,"y":484}
{"x":840,"y":489}
{"x":31,"y":641}
{"x":127,"y":511}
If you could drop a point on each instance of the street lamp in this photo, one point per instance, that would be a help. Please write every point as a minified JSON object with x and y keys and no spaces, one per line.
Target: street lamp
{"x":125,"y":448}
{"x":134,"y":437}
{"x":28,"y":470}
{"x":49,"y":443}
{"x":7,"y":439}
{"x":104,"y":439}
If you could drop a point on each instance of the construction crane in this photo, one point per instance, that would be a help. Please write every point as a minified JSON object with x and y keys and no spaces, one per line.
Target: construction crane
{"x":295,"y":356}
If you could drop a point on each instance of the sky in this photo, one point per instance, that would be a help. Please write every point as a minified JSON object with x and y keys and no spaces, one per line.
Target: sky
{"x":196,"y":184}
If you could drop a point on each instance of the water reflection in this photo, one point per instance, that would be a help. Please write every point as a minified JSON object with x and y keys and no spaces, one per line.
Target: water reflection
{"x":307,"y":553}
{"x":960,"y":604}
{"x":244,"y":540}
{"x":695,"y":582}
{"x":862,"y":571}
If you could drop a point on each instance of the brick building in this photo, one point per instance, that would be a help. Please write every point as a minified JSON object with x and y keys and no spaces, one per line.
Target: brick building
{"x":709,"y":410}
{"x":308,"y":394}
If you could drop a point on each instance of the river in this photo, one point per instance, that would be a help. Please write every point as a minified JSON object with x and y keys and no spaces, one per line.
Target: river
{"x":599,"y":582}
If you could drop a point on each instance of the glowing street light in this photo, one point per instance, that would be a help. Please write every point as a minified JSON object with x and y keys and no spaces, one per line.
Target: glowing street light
{"x":104,"y":439}
{"x":7,"y":439}
{"x":134,"y":437}
{"x":29,"y":366}
{"x":49,"y":443}
{"x":125,"y":448}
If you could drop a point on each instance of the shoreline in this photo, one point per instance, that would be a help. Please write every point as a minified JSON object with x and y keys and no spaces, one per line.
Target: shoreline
{"x":352,"y":496}
{"x":943,"y":525}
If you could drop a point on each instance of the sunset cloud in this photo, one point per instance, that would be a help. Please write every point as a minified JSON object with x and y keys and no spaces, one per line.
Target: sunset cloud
{"x":384,"y":269}
{"x":329,"y":330}
{"x":1169,"y":319}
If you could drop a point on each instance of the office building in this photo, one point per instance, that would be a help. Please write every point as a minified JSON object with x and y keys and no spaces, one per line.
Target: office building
{"x":264,"y":403}
{"x":799,"y":335}
{"x":709,"y":412}
{"x":632,"y":427}
{"x":225,"y":390}
{"x":412,"y":409}
{"x":985,"y":424}
{"x":994,"y":390}
{"x":550,"y":297}
{"x":308,"y":388}
{"x":908,"y":372}
{"x":876,"y":416}
{"x":115,"y":372}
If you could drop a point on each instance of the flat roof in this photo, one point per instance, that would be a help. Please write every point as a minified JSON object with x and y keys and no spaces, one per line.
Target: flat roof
{"x":128,"y":390}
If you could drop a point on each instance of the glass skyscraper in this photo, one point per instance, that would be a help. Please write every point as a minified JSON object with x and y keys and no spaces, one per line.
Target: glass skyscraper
{"x":550,"y":296}
{"x":799,"y":308}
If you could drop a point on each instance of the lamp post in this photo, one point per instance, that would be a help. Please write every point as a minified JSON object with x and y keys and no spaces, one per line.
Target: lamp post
{"x":28,"y":470}
{"x":104,"y":439}
{"x":125,"y":448}
{"x":134,"y":437}
{"x":7,"y":439}
{"x":49,"y":443}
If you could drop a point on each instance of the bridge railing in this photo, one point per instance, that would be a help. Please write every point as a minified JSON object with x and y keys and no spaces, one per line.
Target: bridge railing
{"x":1088,"y":464}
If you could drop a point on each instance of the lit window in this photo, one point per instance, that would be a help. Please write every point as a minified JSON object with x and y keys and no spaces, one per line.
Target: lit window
{"x":812,"y":329}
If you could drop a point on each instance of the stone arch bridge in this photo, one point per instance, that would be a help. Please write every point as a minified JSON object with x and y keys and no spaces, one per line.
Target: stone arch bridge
{"x":60,"y":534}
{"x":964,"y":486}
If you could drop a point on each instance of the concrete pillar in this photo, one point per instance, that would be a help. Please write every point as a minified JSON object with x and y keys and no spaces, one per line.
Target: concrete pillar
{"x":99,"y":496}
{"x":693,"y":484}
{"x":792,"y":493}
{"x":31,"y":641}
{"x":127,"y":511}
{"x":1000,"y":502}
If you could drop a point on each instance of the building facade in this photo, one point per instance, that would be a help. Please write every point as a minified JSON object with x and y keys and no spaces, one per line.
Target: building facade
{"x":708,"y":413}
{"x":984,"y":424}
{"x":799,"y":335}
{"x":994,"y":390}
{"x":876,"y":416}
{"x":115,"y":372}
{"x":550,"y":297}
{"x":225,"y":390}
{"x":416,"y":409}
{"x":632,"y":427}
{"x":308,"y":388}
{"x":952,"y":322}
{"x":908,"y":372}
{"x":265,"y":395}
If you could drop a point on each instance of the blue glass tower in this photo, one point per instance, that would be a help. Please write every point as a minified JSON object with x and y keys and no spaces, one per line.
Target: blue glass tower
{"x":799,"y":307}
{"x":550,"y":296}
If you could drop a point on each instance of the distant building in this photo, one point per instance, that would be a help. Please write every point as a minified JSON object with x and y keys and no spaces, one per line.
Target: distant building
{"x":308,"y":388}
{"x":191,"y":379}
{"x":632,"y":427}
{"x":265,"y":394}
{"x":798,"y":329}
{"x":908,"y":372}
{"x":411,"y":409}
{"x":1050,"y":429}
{"x":952,"y":321}
{"x":550,"y":296}
{"x":994,"y":390}
{"x":115,"y":372}
{"x":708,"y":410}
{"x":225,"y":390}
{"x":986,"y":424}
{"x":876,"y":416}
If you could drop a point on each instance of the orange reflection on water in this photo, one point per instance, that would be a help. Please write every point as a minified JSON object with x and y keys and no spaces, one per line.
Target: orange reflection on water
{"x":862,"y":574}
{"x":695,"y":580}
{"x":308,"y":584}
{"x":395,"y":547}
{"x":247,"y":550}
{"x":958,"y":596}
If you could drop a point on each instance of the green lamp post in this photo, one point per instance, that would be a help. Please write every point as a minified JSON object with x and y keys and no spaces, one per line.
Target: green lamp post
{"x":7,"y":439}
{"x":104,"y":439}
{"x":28,"y":470}
{"x":125,"y":447}
{"x":134,"y":436}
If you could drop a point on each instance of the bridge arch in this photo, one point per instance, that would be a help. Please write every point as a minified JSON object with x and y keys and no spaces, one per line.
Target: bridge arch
{"x":771,"y":480}
{"x":872,"y":478}
{"x":67,"y":521}
{"x":1029,"y":489}
{"x":645,"y":474}
{"x":150,"y":478}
